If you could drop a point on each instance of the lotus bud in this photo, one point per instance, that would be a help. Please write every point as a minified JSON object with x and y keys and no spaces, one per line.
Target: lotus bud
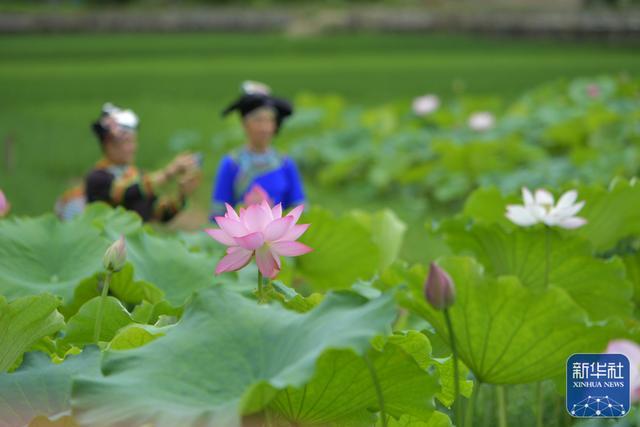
{"x":439,"y":289}
{"x":4,"y":205}
{"x":593,"y":90}
{"x":116,"y":256}
{"x":632,"y":351}
{"x":256,"y":195}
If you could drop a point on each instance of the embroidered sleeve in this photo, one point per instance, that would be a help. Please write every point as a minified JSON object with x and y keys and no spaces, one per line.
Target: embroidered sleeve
{"x":134,"y":192}
{"x":103,"y":186}
{"x":167,"y":207}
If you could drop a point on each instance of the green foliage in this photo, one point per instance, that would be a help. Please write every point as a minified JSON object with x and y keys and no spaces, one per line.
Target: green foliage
{"x":342,"y":388}
{"x":578,"y":132}
{"x":113,"y":222}
{"x":23,"y":322}
{"x":245,"y":351}
{"x":343,"y":251}
{"x":45,"y":255}
{"x":598,"y":285}
{"x":172,"y":267}
{"x":344,"y":333}
{"x":507,"y":333}
{"x":81,"y":326}
{"x":41,"y":388}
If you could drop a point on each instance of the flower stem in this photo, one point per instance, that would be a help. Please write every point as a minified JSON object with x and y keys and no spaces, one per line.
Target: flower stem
{"x":103,"y":298}
{"x":260,"y":290}
{"x":540,"y":404}
{"x":547,"y":267}
{"x":547,"y":253}
{"x":502,"y":406}
{"x":268,"y":418}
{"x":456,"y":373}
{"x":468,"y":417}
{"x":376,"y":384}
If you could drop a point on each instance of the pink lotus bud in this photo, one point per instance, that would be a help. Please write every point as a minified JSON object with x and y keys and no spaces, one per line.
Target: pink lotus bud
{"x":116,"y":256}
{"x":439,"y":288}
{"x":4,"y":205}
{"x":593,"y":91}
{"x":632,"y":351}
{"x":256,"y":195}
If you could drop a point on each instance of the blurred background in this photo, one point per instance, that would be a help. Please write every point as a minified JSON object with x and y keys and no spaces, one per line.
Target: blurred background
{"x":353,"y":69}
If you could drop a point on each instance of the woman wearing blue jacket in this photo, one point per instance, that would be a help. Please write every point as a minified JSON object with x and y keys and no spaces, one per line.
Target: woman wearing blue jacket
{"x":257,"y":168}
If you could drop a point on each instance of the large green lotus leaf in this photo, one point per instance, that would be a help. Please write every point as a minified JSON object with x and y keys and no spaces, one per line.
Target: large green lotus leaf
{"x":292,"y":299}
{"x":161,"y":312}
{"x":447,"y":374}
{"x":387,"y":231}
{"x":507,"y":333}
{"x":598,"y":285}
{"x":130,"y":291}
{"x":45,"y":255}
{"x":112,"y":221}
{"x":42,"y":388}
{"x":81,"y":326}
{"x":25,"y":321}
{"x":136,"y":335}
{"x":632,"y":264}
{"x":170,"y":266}
{"x":488,"y":204}
{"x":227,"y":356}
{"x":199,"y":241}
{"x":437,"y":419}
{"x":342,"y":390}
{"x":419,"y":347}
{"x":612,"y":214}
{"x":343,"y":251}
{"x":122,"y":285}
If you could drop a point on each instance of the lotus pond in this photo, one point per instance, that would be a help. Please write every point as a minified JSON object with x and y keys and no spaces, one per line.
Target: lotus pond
{"x":362,"y":330}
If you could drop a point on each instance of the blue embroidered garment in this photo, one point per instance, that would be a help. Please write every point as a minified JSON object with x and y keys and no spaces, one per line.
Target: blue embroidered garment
{"x":238,"y":173}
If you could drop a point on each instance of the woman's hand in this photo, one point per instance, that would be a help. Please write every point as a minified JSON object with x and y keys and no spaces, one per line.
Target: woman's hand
{"x":189,"y":182}
{"x":182,"y":164}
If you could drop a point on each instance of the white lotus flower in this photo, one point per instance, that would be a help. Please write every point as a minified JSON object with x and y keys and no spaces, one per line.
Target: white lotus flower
{"x":540,"y":208}
{"x":481,"y":121}
{"x":426,"y":104}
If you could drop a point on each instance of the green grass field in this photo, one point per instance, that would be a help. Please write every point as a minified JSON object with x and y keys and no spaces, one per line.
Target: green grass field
{"x":52,"y":87}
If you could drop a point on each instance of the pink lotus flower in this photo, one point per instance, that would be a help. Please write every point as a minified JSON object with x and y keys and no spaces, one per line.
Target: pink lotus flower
{"x":4,"y":205}
{"x":256,"y":195}
{"x":593,"y":90}
{"x":632,"y":351}
{"x":261,"y":231}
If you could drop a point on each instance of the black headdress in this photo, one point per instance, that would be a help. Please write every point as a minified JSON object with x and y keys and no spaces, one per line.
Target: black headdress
{"x":257,"y":95}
